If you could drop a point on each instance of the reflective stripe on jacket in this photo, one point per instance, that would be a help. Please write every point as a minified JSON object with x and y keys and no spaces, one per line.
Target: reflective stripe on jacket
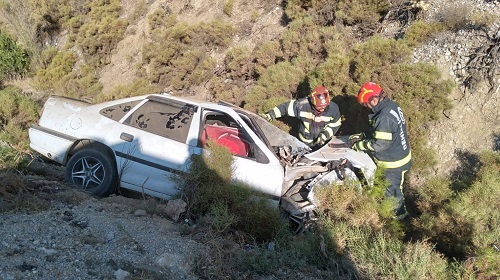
{"x":311,"y":124}
{"x":388,"y":138}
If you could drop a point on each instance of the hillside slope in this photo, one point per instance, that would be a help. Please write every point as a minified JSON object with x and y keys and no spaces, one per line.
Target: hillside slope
{"x":121,"y":238}
{"x":471,"y":126}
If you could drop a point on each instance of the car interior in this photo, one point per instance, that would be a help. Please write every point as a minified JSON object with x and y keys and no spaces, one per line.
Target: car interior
{"x":226,"y":132}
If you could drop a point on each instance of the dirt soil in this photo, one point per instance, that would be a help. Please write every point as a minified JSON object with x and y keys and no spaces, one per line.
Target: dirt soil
{"x":121,"y":70}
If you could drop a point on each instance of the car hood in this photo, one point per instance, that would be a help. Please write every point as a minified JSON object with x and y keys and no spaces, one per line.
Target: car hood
{"x":337,"y":149}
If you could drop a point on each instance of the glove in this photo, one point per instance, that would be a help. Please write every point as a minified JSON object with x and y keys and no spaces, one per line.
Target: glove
{"x":321,"y":139}
{"x":357,"y":137}
{"x":359,"y":146}
{"x":266,"y":116}
{"x":319,"y":142}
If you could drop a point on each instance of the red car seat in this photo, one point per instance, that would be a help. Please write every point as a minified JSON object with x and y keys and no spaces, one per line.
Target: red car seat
{"x":226,"y":136}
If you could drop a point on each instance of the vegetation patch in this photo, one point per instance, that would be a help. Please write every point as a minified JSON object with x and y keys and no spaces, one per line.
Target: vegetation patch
{"x":17,"y":112}
{"x":63,"y":77}
{"x":185,"y":61}
{"x":464,"y":223}
{"x":226,"y":206}
{"x":13,"y":59}
{"x":138,"y":87}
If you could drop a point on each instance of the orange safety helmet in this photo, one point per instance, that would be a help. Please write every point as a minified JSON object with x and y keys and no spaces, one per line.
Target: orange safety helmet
{"x":320,"y":98}
{"x":368,"y":91}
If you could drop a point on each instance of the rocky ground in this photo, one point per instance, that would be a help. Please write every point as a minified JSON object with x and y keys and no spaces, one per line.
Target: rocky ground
{"x":81,"y":237}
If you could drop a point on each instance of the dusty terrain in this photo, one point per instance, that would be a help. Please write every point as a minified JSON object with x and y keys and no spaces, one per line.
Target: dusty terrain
{"x":96,"y":239}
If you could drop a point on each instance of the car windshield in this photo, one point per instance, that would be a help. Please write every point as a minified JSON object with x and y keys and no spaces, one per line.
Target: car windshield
{"x":271,"y":135}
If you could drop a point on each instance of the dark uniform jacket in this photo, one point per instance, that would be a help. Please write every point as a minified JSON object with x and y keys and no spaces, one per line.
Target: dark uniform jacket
{"x":312,"y":124}
{"x":387,"y":140}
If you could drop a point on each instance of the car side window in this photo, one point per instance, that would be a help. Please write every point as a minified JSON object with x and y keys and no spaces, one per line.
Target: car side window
{"x":224,"y":131}
{"x":116,"y":112}
{"x":170,"y":120}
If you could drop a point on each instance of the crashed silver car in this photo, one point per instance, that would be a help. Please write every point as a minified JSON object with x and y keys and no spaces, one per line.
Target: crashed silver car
{"x":137,"y":143}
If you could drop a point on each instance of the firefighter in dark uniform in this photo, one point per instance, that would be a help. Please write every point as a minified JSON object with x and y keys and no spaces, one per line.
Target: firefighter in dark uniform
{"x":319,"y":118}
{"x":386,"y":141}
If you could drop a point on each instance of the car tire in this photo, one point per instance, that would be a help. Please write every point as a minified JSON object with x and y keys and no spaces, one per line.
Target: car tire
{"x":92,"y":171}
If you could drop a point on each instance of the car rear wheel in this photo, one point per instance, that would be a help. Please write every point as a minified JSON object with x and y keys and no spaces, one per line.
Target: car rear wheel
{"x":91,"y":171}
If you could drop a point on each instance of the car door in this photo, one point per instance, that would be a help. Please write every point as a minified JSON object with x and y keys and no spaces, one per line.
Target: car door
{"x":153,"y":147}
{"x":254,"y":164}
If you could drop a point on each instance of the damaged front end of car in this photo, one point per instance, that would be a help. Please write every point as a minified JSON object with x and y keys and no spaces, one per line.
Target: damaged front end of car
{"x":330,"y":166}
{"x":304,"y":170}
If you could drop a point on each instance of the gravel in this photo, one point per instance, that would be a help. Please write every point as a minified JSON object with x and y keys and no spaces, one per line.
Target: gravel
{"x":97,"y":239}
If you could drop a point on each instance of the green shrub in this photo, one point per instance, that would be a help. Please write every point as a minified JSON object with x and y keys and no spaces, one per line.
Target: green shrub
{"x":301,"y":252}
{"x":265,"y":55}
{"x":221,"y":219}
{"x":17,"y":112}
{"x":228,"y":86}
{"x":138,"y":87}
{"x":433,"y":194}
{"x":226,"y":90}
{"x":333,"y":74}
{"x":363,"y":208}
{"x":277,"y":85}
{"x":13,"y":59}
{"x":238,"y":62}
{"x":48,"y":55}
{"x":465,"y":224}
{"x":305,"y":39}
{"x":377,"y":256}
{"x":101,"y":31}
{"x":266,"y":221}
{"x":17,"y":109}
{"x":10,"y":158}
{"x":420,"y":32}
{"x":346,"y":203}
{"x":374,"y":59}
{"x":228,"y":7}
{"x":62,"y":77}
{"x":185,"y":60}
{"x":60,"y":64}
{"x":364,"y":13}
{"x":227,"y":206}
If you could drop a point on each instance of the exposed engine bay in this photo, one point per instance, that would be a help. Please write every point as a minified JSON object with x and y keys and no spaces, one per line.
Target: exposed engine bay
{"x":329,"y":166}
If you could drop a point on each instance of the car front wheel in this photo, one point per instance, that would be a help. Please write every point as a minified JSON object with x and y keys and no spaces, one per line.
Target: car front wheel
{"x":91,"y":171}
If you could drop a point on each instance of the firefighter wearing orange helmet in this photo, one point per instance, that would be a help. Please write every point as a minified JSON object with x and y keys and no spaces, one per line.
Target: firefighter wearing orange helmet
{"x":319,"y":118}
{"x":386,"y":140}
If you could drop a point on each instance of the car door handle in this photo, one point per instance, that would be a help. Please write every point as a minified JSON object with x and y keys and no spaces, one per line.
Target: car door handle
{"x":127,"y":137}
